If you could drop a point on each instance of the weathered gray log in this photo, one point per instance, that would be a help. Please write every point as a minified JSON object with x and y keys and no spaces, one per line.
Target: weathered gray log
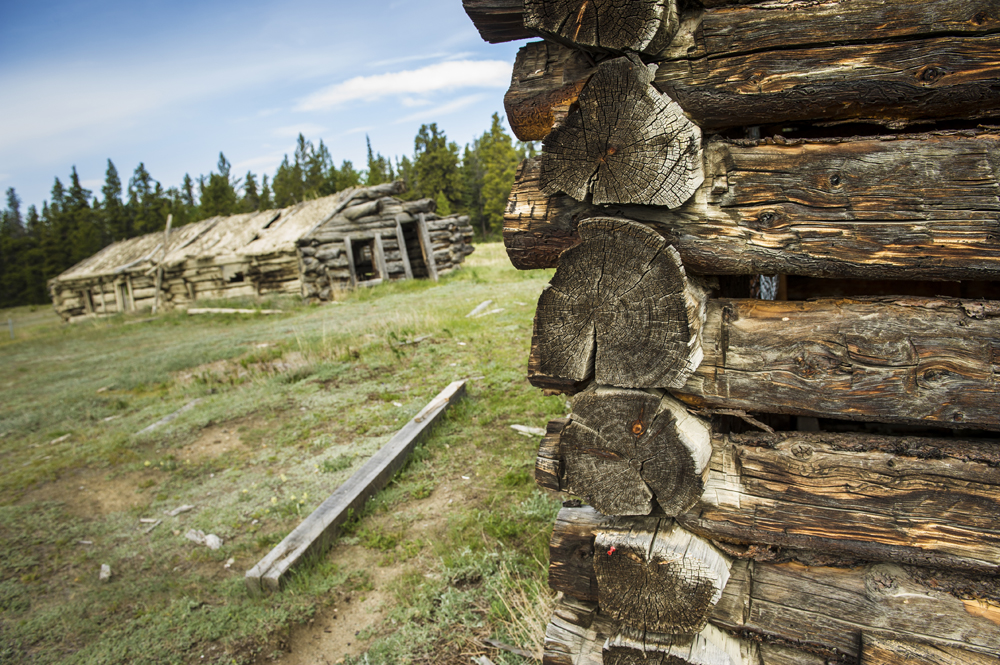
{"x":823,"y":609}
{"x":427,"y":248}
{"x":878,"y":651}
{"x":645,"y":26}
{"x":911,"y":207}
{"x":620,"y":309}
{"x":627,"y":143}
{"x":913,"y":500}
{"x":839,"y":61}
{"x":654,"y":576}
{"x":544,"y":86}
{"x":317,"y":531}
{"x":625,"y":451}
{"x":895,"y":360}
{"x":498,"y":20}
{"x":581,"y":633}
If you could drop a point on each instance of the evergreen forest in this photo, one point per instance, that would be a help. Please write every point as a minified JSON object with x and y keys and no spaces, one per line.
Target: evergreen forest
{"x":37,"y":245}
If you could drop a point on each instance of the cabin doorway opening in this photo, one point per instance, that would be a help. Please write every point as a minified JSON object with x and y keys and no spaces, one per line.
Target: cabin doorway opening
{"x":414,"y":251}
{"x":364,"y":260}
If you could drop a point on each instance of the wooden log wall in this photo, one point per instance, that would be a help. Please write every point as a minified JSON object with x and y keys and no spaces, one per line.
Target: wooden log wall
{"x":779,"y":482}
{"x":324,"y":263}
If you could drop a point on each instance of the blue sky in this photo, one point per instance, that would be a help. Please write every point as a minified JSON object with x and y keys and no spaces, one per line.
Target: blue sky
{"x":172,"y":84}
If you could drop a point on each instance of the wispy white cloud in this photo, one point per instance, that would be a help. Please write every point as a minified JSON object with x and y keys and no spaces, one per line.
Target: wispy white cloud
{"x":443,"y":109}
{"x":410,"y":58}
{"x":415,"y":102}
{"x":358,"y":130}
{"x":307,"y":129}
{"x":261,"y":163}
{"x":449,"y":75}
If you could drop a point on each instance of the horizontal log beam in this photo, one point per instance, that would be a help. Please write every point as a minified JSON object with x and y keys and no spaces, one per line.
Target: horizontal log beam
{"x":826,"y":609}
{"x":878,"y":651}
{"x":913,"y":207}
{"x":894,"y":360}
{"x":913,"y":500}
{"x":498,"y":20}
{"x":621,"y":310}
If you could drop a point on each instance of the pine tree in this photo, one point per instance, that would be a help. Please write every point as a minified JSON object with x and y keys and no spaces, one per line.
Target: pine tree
{"x":218,"y":197}
{"x":86,"y":235}
{"x":266,"y":203}
{"x":436,"y":166}
{"x":147,"y":205}
{"x":499,"y":164}
{"x":379,"y":168}
{"x":116,"y":218}
{"x":251,"y":197}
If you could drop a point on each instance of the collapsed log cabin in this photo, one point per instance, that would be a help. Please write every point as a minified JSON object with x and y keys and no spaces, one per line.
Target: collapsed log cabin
{"x":358,"y":237}
{"x":805,"y":479}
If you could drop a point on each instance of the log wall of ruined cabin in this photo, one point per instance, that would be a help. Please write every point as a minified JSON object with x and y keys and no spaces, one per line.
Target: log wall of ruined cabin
{"x":803,"y":479}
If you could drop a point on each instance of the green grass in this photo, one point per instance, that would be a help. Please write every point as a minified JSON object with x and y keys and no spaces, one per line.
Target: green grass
{"x":311,"y":394}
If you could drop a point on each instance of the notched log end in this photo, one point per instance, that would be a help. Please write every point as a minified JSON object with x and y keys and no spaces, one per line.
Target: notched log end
{"x":647,"y":26}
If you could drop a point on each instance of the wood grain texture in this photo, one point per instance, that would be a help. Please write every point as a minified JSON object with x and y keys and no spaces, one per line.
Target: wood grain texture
{"x":913,"y":500}
{"x":894,"y":360}
{"x":498,"y":20}
{"x":620,"y":309}
{"x":626,"y":451}
{"x":824,"y":610}
{"x":544,"y":86}
{"x":581,"y":633}
{"x":877,"y":651}
{"x":918,"y":206}
{"x":626,"y":143}
{"x":643,"y":26}
{"x":653,"y":576}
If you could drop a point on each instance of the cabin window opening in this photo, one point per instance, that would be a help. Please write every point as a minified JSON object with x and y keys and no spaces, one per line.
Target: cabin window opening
{"x":236,"y":277}
{"x":364,"y":260}
{"x":413,"y":251}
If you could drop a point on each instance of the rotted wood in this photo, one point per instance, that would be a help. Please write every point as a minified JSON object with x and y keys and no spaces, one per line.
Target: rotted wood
{"x":544,"y":86}
{"x":626,"y":143}
{"x":824,"y":609}
{"x":917,"y":361}
{"x":654,"y":576}
{"x":549,"y":463}
{"x":914,"y":500}
{"x":643,"y":26}
{"x":581,"y":633}
{"x":498,"y":20}
{"x":620,"y":309}
{"x":923,"y":206}
{"x":626,"y":451}
{"x":877,"y":651}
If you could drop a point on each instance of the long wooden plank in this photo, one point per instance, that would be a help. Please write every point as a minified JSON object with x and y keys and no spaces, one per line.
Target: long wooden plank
{"x":317,"y":531}
{"x":349,"y":252}
{"x":825,"y":609}
{"x":921,"y":206}
{"x":915,"y":500}
{"x":378,"y":256}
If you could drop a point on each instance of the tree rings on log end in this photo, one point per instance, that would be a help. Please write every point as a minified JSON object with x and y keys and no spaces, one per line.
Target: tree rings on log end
{"x":624,"y":448}
{"x":626,"y":143}
{"x":620,"y":308}
{"x":654,"y":576}
{"x":645,"y":26}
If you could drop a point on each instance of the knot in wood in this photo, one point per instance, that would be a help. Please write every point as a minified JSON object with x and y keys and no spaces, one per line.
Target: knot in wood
{"x":930,"y":74}
{"x":980,"y":18}
{"x":835,"y":180}
{"x":802,"y":451}
{"x":638,"y":428}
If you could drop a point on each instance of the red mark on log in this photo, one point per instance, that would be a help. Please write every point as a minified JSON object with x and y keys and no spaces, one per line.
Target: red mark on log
{"x":611,"y":551}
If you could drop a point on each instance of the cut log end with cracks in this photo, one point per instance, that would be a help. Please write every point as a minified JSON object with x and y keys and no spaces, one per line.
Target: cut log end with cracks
{"x":621,"y":310}
{"x":626,"y":143}
{"x":647,"y":26}
{"x":625,"y":449}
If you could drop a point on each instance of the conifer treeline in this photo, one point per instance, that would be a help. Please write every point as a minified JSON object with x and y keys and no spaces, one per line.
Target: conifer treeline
{"x":76,"y":223}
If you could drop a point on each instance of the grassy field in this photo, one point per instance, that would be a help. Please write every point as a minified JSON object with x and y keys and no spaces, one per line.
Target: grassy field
{"x":288,"y":406}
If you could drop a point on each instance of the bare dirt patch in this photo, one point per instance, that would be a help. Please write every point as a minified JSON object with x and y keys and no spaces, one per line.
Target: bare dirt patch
{"x":212,"y":442}
{"x":91,"y":493}
{"x":335,"y":632}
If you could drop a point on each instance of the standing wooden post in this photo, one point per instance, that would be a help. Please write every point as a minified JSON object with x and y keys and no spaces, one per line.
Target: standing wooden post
{"x":131,"y":293}
{"x":427,"y":248}
{"x":350,"y":261}
{"x":379,"y":258}
{"x":401,"y":240}
{"x":159,"y":268}
{"x":10,"y":324}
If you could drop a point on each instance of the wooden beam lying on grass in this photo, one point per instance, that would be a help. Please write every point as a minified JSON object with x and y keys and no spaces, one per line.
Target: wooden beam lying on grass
{"x":319,"y":529}
{"x":228,"y":310}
